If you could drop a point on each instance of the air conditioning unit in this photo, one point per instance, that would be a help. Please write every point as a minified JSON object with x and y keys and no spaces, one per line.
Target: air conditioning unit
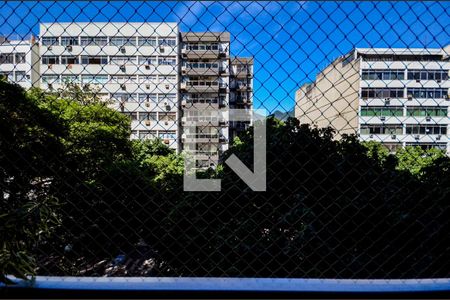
{"x":438,"y":80}
{"x":387,"y":101}
{"x":147,"y":86}
{"x":417,"y":80}
{"x":50,"y":85}
{"x":167,"y":86}
{"x":438,"y":138}
{"x":446,"y":97}
{"x":166,"y":103}
{"x":382,"y":118}
{"x":428,"y":118}
{"x":147,"y":104}
{"x":122,"y":68}
{"x":183,"y":103}
{"x":393,"y":136}
{"x":122,"y":49}
{"x":147,"y":67}
{"x":69,"y":47}
{"x":166,"y":123}
{"x":371,"y":136}
{"x":147,"y":123}
{"x":161,"y":48}
{"x":410,"y":97}
{"x":417,"y":137}
{"x":123,"y":87}
{"x":166,"y":141}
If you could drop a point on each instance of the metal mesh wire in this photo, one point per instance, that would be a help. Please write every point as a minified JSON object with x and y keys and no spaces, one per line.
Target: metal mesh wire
{"x":96,"y":97}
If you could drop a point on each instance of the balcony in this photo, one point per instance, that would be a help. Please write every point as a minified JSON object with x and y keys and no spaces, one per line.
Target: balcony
{"x":203,"y":53}
{"x":202,"y":68}
{"x":200,"y":138}
{"x":197,"y":86}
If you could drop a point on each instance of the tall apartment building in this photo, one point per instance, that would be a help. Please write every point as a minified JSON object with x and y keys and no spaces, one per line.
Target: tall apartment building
{"x":398,"y":97}
{"x":205,"y":94}
{"x":135,"y":65}
{"x":212,"y":83}
{"x":19,"y":61}
{"x":241,"y":90}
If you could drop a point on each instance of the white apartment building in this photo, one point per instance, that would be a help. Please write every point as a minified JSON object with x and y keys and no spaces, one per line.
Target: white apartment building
{"x":133,"y":64}
{"x":161,"y":78}
{"x":19,"y":61}
{"x":398,"y":97}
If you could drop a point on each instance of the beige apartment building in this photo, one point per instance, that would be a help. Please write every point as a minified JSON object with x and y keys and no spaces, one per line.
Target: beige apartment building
{"x":398,"y":97}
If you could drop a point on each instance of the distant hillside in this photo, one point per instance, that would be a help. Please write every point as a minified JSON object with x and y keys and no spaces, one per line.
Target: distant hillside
{"x":283,"y":115}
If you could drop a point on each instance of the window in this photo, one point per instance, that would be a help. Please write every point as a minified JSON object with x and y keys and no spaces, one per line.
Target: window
{"x":202,"y":46}
{"x":383,"y":74}
{"x":147,"y":134}
{"x":428,"y":75}
{"x":381,"y":129}
{"x":169,"y":116}
{"x":146,"y":41}
{"x":69,"y":79}
{"x":381,"y":111}
{"x":147,"y":60}
{"x":168,"y":41}
{"x":382,"y":93}
{"x":94,"y":41}
{"x":122,"y":60}
{"x":147,"y":98}
{"x":167,"y":135}
{"x":171,"y":98}
{"x":6,"y":58}
{"x":50,"y":78}
{"x":69,"y":60}
{"x":94,"y":79}
{"x":69,"y":40}
{"x":131,"y":115}
{"x":94,"y":60}
{"x":49,"y":41}
{"x":20,"y":76}
{"x":167,"y":60}
{"x":422,"y":111}
{"x":147,"y":116}
{"x":432,"y":93}
{"x":50,"y":60}
{"x":202,"y":65}
{"x":123,"y":79}
{"x":122,"y":41}
{"x":426,"y":129}
{"x":124,"y":97}
{"x":20,"y":58}
{"x":147,"y":78}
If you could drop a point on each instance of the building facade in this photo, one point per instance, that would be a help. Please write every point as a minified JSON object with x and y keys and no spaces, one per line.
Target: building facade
{"x":19,"y":61}
{"x":398,"y":97}
{"x":133,"y":65}
{"x":159,"y":77}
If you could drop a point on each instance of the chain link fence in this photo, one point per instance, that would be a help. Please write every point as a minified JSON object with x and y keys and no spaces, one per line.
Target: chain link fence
{"x":96,"y":99}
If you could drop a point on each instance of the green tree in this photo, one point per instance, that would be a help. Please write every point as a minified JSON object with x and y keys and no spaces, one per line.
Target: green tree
{"x":30,"y":153}
{"x":415,"y":159}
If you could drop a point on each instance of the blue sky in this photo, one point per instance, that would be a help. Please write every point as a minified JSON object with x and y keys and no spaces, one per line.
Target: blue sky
{"x":290,"y":41}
